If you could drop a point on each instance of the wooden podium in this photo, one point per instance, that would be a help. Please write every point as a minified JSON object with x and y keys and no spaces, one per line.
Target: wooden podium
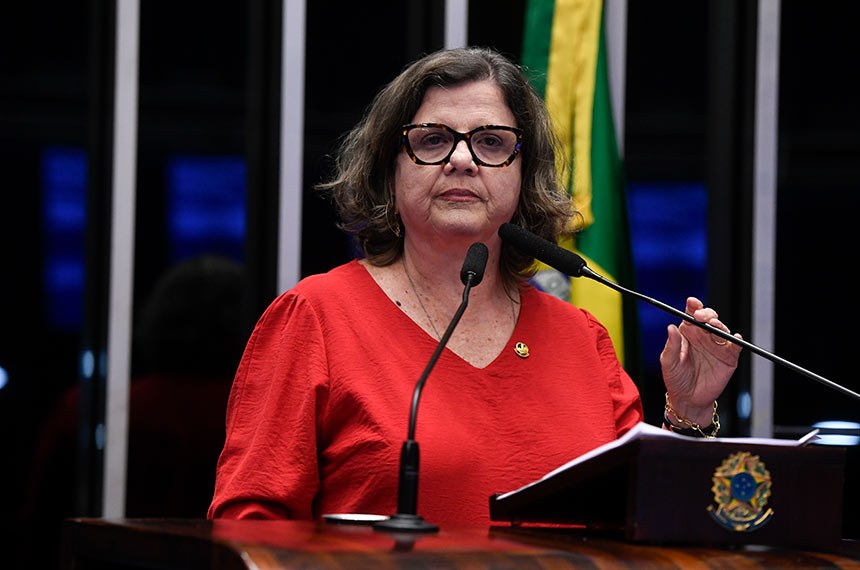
{"x":153,"y":544}
{"x":659,"y":487}
{"x":650,"y":499}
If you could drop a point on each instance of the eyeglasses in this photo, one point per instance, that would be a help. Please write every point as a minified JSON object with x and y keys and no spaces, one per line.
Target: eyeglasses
{"x":434,"y":143}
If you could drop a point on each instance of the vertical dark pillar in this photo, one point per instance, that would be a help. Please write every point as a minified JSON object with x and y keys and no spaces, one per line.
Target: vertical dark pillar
{"x":263,"y":128}
{"x":92,"y":369}
{"x":731,"y":122}
{"x":425,"y":25}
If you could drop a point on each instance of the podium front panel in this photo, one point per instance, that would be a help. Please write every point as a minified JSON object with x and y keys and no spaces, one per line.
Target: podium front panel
{"x":668,"y":490}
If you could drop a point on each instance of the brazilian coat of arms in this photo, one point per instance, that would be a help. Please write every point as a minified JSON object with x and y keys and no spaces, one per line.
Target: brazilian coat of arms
{"x":741,"y":489}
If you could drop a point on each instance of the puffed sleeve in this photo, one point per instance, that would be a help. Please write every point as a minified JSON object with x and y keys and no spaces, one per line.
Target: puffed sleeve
{"x":268,"y":467}
{"x":626,"y":401}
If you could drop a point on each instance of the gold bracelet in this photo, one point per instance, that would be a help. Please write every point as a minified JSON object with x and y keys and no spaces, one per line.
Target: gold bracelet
{"x":692,"y":427}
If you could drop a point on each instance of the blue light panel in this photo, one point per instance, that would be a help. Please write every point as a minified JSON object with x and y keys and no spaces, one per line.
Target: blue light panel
{"x":206,"y":206}
{"x":64,"y":183}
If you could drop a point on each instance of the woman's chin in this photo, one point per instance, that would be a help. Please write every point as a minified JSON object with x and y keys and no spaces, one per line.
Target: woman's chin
{"x":463,"y":223}
{"x":471,"y":233}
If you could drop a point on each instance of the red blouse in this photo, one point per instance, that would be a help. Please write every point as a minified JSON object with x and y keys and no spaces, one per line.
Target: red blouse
{"x":319,"y":408}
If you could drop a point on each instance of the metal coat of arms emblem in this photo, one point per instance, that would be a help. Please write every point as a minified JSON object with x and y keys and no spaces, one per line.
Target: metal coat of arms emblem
{"x":741,"y":490}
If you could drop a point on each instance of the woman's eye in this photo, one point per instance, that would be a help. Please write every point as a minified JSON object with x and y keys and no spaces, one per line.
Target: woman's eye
{"x":489,"y":141}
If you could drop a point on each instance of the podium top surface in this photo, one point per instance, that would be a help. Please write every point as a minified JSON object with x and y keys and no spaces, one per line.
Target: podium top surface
{"x":223,"y":544}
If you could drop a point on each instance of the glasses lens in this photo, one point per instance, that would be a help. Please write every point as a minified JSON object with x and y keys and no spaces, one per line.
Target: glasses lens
{"x":430,"y":144}
{"x":494,"y":146}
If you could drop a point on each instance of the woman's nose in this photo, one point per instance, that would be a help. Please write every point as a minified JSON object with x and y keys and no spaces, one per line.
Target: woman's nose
{"x":462,"y":159}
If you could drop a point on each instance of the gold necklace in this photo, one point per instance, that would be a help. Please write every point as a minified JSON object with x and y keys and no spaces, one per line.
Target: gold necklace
{"x":420,"y":302}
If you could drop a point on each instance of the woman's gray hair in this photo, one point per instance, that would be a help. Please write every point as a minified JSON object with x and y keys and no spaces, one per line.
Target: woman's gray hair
{"x":362,"y":185}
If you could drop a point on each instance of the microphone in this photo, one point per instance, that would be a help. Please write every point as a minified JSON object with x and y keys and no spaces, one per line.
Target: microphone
{"x":406,"y":518}
{"x":573,"y":265}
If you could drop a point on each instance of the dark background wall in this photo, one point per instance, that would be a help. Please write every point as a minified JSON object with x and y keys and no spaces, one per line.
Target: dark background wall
{"x":200,"y":81}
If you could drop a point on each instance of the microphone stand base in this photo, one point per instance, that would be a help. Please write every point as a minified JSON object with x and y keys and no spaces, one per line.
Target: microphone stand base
{"x":405,"y":523}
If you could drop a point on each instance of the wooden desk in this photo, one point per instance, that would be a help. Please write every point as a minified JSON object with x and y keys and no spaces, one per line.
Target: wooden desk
{"x":90,"y":544}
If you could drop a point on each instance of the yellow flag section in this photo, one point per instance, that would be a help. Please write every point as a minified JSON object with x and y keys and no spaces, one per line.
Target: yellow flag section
{"x":564,"y":54}
{"x":570,"y":91}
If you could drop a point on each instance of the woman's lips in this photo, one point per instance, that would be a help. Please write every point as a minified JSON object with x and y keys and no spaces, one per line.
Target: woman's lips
{"x":459,"y":195}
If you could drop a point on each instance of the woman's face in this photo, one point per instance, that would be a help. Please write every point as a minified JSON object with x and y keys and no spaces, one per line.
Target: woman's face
{"x":458,"y":199}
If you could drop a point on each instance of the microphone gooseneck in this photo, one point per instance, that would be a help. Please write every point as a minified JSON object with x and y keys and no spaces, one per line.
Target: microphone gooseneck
{"x":573,"y":265}
{"x":406,"y":518}
{"x":471,"y":274}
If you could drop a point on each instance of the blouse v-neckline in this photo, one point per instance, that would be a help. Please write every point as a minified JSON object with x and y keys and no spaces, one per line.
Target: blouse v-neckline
{"x":391,"y":306}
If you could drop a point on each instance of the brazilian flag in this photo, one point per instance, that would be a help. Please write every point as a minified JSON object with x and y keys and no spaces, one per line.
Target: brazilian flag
{"x":564,"y":55}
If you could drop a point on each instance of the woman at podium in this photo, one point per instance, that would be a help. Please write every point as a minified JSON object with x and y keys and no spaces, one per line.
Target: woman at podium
{"x":455,"y":146}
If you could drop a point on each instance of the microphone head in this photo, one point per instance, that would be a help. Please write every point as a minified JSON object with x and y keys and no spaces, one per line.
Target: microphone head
{"x":550,"y":253}
{"x":474,"y":264}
